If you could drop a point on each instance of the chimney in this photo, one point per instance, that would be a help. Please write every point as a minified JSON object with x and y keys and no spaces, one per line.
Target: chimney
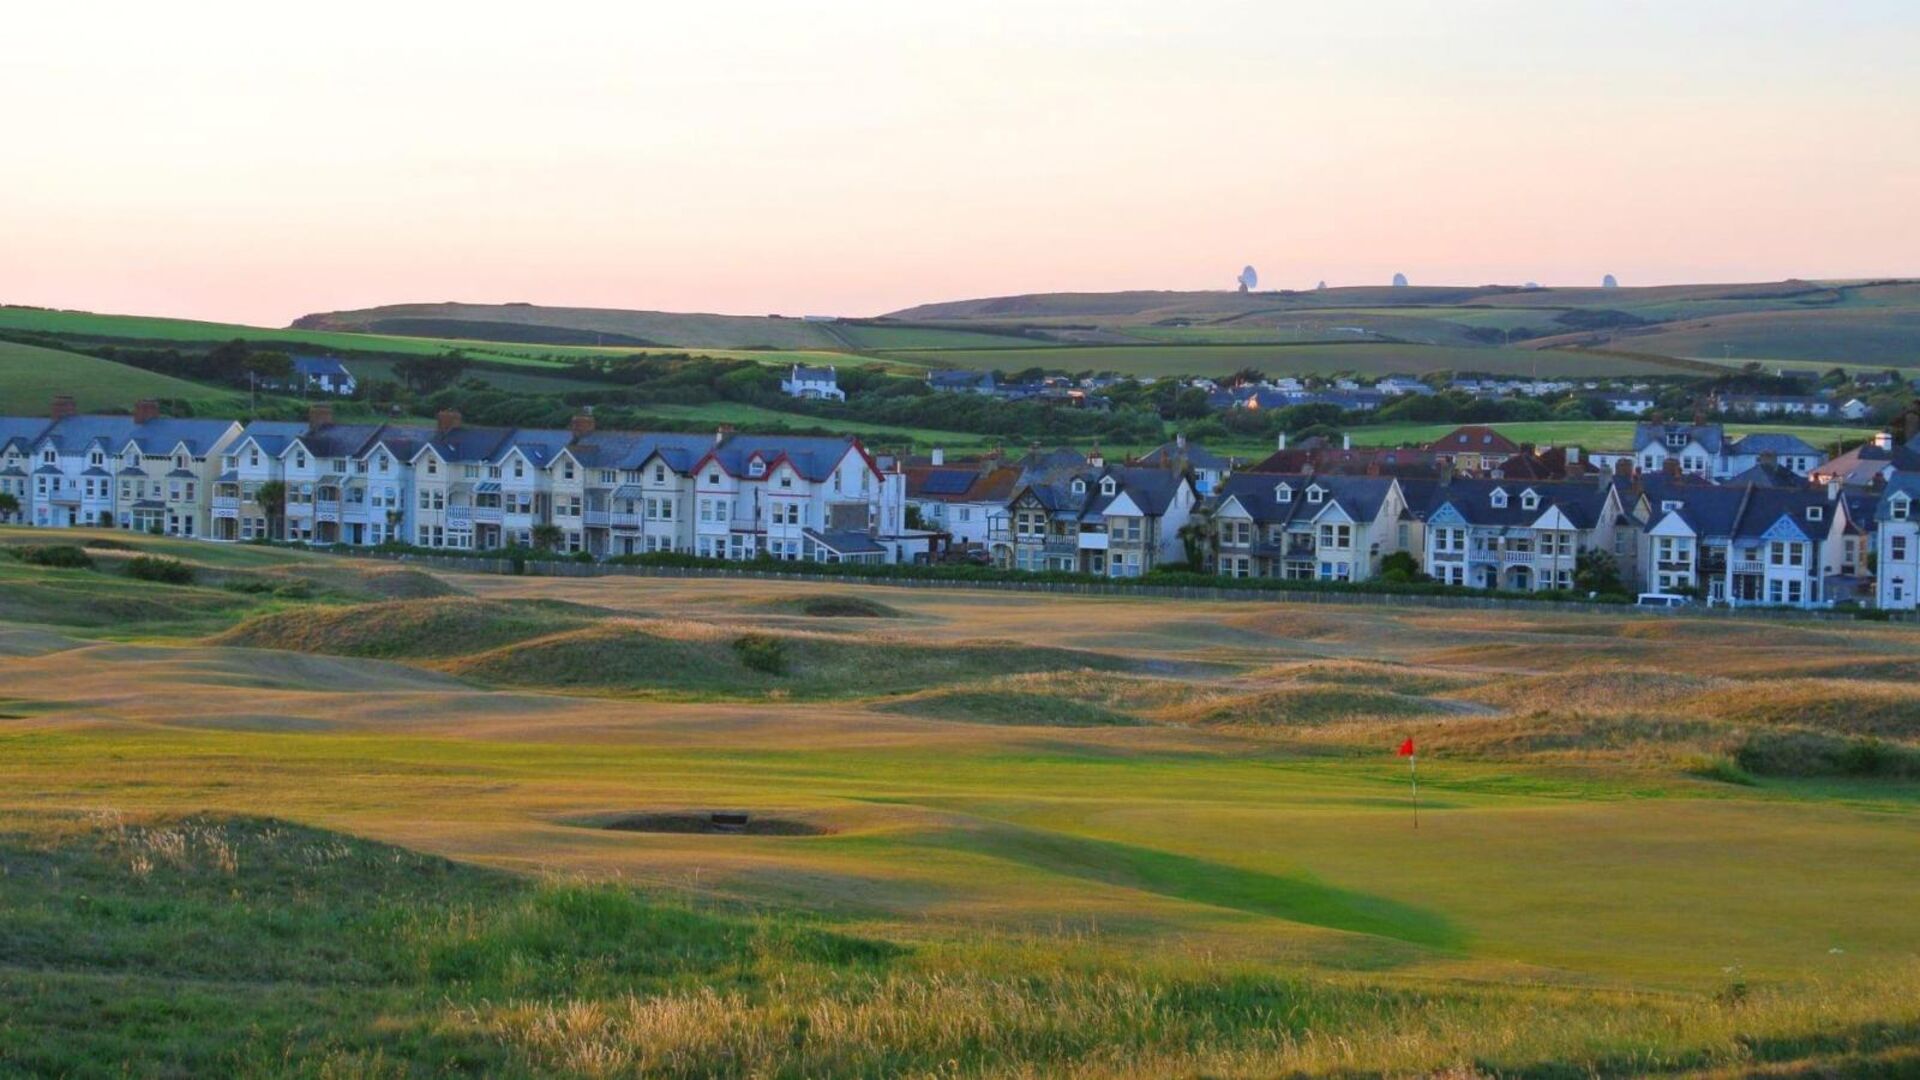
{"x":1283,"y":441}
{"x":145,"y":409}
{"x":1373,"y":468}
{"x":1346,"y":442}
{"x":939,"y":456}
{"x":581,"y":425}
{"x":1767,"y":457}
{"x":1573,"y":455}
{"x":1833,"y":487}
{"x":319,"y":415}
{"x":1095,"y":458}
{"x":720,"y":433}
{"x":1671,"y":466}
{"x":1883,"y":440}
{"x":1699,"y":414}
{"x":62,"y":407}
{"x":446,"y":420}
{"x":1180,"y":440}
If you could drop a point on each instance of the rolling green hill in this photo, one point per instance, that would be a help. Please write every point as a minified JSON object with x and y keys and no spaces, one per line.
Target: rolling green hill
{"x":30,"y":376}
{"x":579,"y":326}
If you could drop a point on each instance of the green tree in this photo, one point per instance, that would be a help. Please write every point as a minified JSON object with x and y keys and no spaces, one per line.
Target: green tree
{"x":547,"y":536}
{"x":1596,"y":571}
{"x":428,"y":374}
{"x":9,"y":506}
{"x":272,"y":497}
{"x":1196,"y":539}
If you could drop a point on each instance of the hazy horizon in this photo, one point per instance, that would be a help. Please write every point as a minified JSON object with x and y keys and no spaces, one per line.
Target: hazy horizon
{"x":244,"y":164}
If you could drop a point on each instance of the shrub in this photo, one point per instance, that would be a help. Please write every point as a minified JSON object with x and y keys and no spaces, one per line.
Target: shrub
{"x":762,"y":653}
{"x":294,"y":590}
{"x":1722,"y":768}
{"x":164,"y":571}
{"x":106,"y":544}
{"x":61,"y":556}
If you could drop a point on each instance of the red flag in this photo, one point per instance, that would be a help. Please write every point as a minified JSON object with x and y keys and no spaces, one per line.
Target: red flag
{"x":1406,"y":748}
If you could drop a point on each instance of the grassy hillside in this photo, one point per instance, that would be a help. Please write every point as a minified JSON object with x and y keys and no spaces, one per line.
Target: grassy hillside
{"x":994,"y":834}
{"x":653,"y":328}
{"x":140,"y":329}
{"x":30,"y":377}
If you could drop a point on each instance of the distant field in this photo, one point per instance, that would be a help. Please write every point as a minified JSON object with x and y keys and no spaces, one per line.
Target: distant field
{"x":1591,"y":434}
{"x":1860,"y":336}
{"x":31,"y":376}
{"x":392,"y":822}
{"x":867,"y":337}
{"x":1220,"y":360}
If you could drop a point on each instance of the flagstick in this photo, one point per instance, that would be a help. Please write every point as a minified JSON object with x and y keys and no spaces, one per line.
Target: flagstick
{"x":1413,"y":774}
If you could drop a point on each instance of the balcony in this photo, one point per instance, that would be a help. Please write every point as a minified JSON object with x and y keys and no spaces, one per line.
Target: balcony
{"x":1093,"y":541}
{"x":598,"y":518}
{"x":489,"y":515}
{"x":624,"y":520}
{"x":459,"y":517}
{"x":1749,"y":566}
{"x":1450,"y":556}
{"x":1056,"y":545}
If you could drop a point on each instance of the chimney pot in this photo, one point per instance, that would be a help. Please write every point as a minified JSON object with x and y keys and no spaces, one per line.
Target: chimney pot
{"x":319,"y":415}
{"x":62,"y":407}
{"x":145,"y":409}
{"x":939,"y":456}
{"x":446,"y":420}
{"x":1283,"y":441}
{"x":581,"y":425}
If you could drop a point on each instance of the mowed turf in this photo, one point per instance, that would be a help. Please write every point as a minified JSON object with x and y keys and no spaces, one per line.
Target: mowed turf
{"x":1177,"y":810}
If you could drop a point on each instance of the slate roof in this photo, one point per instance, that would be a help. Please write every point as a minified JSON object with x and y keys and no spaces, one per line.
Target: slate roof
{"x":75,"y":433}
{"x":1767,"y":475}
{"x":1194,"y":454}
{"x":161,"y":434}
{"x":313,"y":367}
{"x":959,"y":483}
{"x":1711,"y":437}
{"x":1583,"y":504}
{"x":1258,"y":493}
{"x":845,"y":542}
{"x":1474,"y":439}
{"x":1773,"y":442}
{"x":1152,"y":490}
{"x":272,"y":436}
{"x":1907,"y":484}
{"x":1740,"y":513}
{"x":21,"y":431}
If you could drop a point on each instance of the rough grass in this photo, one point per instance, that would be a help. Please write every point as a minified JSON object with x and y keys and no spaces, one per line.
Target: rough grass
{"x":1008,"y":706}
{"x":245,"y":947}
{"x":406,"y":629}
{"x":643,"y":655}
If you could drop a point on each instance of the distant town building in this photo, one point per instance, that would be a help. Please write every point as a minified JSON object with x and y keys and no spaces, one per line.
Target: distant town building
{"x":813,"y":384}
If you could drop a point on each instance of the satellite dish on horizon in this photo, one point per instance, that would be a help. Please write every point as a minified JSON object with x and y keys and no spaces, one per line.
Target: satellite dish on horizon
{"x":1249,"y":277}
{"x":1399,"y":281}
{"x":1531,"y":285}
{"x":1322,"y":286}
{"x":1609,"y":282}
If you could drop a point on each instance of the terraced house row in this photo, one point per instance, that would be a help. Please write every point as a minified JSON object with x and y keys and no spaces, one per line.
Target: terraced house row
{"x":454,"y":486}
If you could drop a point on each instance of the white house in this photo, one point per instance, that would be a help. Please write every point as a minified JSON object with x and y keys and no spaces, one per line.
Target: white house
{"x":1896,"y":544}
{"x":813,"y":384}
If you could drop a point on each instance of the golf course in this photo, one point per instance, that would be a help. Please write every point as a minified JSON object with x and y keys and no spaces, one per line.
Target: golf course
{"x":300,"y":814}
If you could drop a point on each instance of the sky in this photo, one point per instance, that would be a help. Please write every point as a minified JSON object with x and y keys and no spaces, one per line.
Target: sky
{"x":254,"y":162}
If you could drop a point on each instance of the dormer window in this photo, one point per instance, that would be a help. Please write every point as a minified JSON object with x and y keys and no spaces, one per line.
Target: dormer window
{"x":381,"y":463}
{"x":1898,"y":508}
{"x":1079,"y":486}
{"x":1107,"y":486}
{"x":133,"y":458}
{"x":96,"y":458}
{"x":1529,"y":500}
{"x":1316,"y":494}
{"x":1498,"y":498}
{"x":1677,"y":439}
{"x":519,"y":470}
{"x":1283,"y":493}
{"x":179,"y":461}
{"x":299,"y":461}
{"x":659,"y":473}
{"x":756,"y":467}
{"x":1816,"y":513}
{"x":1668,"y":506}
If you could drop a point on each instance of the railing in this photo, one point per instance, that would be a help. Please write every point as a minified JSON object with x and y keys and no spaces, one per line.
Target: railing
{"x":1056,"y":546}
{"x":459,"y":515}
{"x":488,"y":514}
{"x":1749,"y":566}
{"x":598,"y":517}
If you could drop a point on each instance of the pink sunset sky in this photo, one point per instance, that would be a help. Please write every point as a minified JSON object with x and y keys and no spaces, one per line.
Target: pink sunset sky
{"x":253,"y":162}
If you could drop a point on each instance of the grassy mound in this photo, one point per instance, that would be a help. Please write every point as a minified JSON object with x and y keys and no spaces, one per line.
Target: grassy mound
{"x":1851,"y":707}
{"x":92,"y":601}
{"x":406,"y":629}
{"x":836,"y":606}
{"x":405,"y":585}
{"x":1011,"y":707}
{"x":1307,"y":704}
{"x":686,"y":657}
{"x":1601,"y":689}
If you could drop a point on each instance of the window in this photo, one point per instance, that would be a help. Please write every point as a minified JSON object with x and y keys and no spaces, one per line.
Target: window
{"x":786,"y":481}
{"x":1815,"y":513}
{"x":659,"y":474}
{"x":1107,"y":486}
{"x":1336,"y":536}
{"x":1079,"y":486}
{"x":756,"y":467}
{"x":566,"y":470}
{"x":1498,"y":499}
{"x":1316,"y":494}
{"x":1896,"y":549}
{"x":1283,"y":493}
{"x":1529,"y":500}
{"x":1898,"y":508}
{"x":433,"y":465}
{"x":713,"y":477}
